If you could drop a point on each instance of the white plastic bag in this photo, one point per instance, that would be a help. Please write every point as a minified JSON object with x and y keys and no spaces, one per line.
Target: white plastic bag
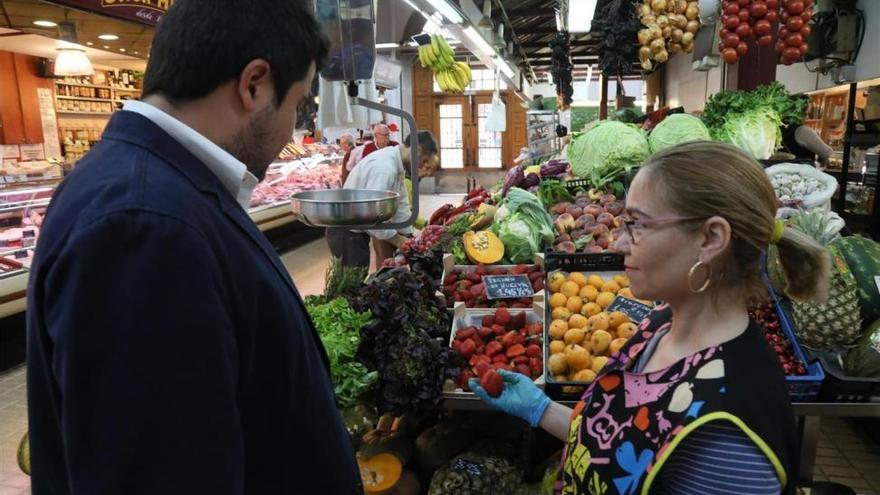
{"x":801,"y":185}
{"x":496,"y":120}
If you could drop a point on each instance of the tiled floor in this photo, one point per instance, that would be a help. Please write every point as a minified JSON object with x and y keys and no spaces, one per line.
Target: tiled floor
{"x":845,"y":454}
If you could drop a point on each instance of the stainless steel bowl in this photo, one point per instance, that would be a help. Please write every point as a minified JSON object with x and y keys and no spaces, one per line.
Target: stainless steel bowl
{"x":344,"y":207}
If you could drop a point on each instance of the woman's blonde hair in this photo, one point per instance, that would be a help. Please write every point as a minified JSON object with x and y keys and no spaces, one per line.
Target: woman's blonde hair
{"x":706,"y":179}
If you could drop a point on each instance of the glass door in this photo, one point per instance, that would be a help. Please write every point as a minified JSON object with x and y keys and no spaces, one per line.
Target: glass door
{"x":487,"y":145}
{"x":452,"y":113}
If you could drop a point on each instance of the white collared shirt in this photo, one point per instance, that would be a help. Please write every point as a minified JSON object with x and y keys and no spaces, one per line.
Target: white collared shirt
{"x":232,"y":173}
{"x":382,"y":170}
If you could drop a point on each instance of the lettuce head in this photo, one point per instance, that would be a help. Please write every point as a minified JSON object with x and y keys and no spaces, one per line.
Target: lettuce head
{"x":676,"y":129}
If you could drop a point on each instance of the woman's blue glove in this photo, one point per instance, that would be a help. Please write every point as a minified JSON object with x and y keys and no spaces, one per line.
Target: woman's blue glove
{"x":520,"y":397}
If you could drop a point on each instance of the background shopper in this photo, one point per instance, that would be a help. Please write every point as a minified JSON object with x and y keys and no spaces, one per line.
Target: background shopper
{"x":168,"y":349}
{"x":696,"y":401}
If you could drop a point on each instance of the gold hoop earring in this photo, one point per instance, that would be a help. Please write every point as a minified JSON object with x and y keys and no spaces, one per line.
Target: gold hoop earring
{"x":691,"y":276}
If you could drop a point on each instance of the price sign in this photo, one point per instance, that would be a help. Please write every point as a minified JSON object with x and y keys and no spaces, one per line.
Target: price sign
{"x":632,"y":308}
{"x":508,"y":286}
{"x":422,"y":39}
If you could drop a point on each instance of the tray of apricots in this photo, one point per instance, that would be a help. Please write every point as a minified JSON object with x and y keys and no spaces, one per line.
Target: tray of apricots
{"x":582,"y":328}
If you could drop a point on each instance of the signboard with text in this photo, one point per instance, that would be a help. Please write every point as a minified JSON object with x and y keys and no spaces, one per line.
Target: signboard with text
{"x":143,"y":11}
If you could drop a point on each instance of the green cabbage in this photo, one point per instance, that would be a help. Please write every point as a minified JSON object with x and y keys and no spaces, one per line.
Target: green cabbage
{"x":523,"y":225}
{"x":756,"y":132}
{"x":676,"y":129}
{"x":607,"y":152}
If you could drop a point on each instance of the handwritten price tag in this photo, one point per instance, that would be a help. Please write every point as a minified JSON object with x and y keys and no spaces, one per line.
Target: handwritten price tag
{"x":508,"y":286}
{"x":634,"y":309}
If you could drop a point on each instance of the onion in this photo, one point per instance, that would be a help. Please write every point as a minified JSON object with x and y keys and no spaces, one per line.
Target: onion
{"x":693,"y":11}
{"x":661,"y":56}
{"x":658,"y":5}
{"x":687,"y":38}
{"x":644,"y":53}
{"x":692,"y":27}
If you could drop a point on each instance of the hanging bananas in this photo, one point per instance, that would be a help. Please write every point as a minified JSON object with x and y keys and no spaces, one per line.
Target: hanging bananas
{"x":451,"y":76}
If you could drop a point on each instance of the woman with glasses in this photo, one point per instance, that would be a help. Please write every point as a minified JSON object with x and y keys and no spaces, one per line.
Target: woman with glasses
{"x":696,"y":401}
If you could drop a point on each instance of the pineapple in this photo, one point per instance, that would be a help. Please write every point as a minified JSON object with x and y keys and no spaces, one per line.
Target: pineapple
{"x":836,"y":322}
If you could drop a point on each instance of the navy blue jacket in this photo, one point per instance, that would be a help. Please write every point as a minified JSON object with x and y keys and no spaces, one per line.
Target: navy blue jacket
{"x":168,"y":349}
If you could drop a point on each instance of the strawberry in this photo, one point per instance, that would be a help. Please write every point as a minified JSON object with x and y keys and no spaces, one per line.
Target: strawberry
{"x":502,"y":316}
{"x":533,"y":351}
{"x":473,"y":277}
{"x":534,"y":329}
{"x":481,"y":368}
{"x":493,"y":348}
{"x":479,"y":358}
{"x":499,"y":329}
{"x":514,"y":350}
{"x":485,"y":332}
{"x":488,"y":320}
{"x":493,"y":383}
{"x":517,"y":321}
{"x":538,"y":285}
{"x":524,"y":369}
{"x":520,"y":360}
{"x":467,"y":348}
{"x":499,"y":358}
{"x":509,"y":339}
{"x":465,"y":333}
{"x":450,"y":279}
{"x":478,"y":289}
{"x":466,"y":295}
{"x":519,"y":339}
{"x":481,"y":270}
{"x":526,"y":300}
{"x":465,"y":285}
{"x":456,"y":346}
{"x":463,"y":378}
{"x":537,"y":366}
{"x":519,"y":270}
{"x":499,"y":271}
{"x":456,"y":297}
{"x":535,"y":276}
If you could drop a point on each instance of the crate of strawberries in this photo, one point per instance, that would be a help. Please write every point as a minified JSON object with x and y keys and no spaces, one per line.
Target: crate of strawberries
{"x":464,"y":283}
{"x":495,"y":339}
{"x":804,"y":380}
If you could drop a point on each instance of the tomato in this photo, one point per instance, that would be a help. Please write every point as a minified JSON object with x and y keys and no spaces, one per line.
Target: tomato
{"x":762,"y":27}
{"x":804,"y":49}
{"x":796,"y":7}
{"x":732,"y":21}
{"x":772,"y":16}
{"x":772,"y":5}
{"x":729,"y":55}
{"x":794,"y":24}
{"x":731,"y":9}
{"x":744,"y":3}
{"x":806,"y":30}
{"x":783,"y":33}
{"x":742,"y":48}
{"x":791,"y":53}
{"x":723,"y":33}
{"x":743,"y":30}
{"x":731,"y":41}
{"x":766,"y":40}
{"x":780,"y":46}
{"x":758,"y":9}
{"x":794,"y":39}
{"x":744,"y":15}
{"x":807,"y":15}
{"x":784,"y":15}
{"x":808,"y":3}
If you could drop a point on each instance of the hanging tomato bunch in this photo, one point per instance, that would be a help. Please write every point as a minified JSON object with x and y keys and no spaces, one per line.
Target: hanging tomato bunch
{"x":743,"y":20}
{"x":794,"y":29}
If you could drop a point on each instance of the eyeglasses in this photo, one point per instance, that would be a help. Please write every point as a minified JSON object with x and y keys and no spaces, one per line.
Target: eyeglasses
{"x":635,"y":227}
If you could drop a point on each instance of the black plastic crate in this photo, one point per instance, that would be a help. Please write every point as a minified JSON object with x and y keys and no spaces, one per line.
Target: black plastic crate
{"x":838,"y":387}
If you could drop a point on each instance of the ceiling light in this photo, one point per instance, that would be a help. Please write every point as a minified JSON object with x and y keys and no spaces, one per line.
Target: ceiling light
{"x":580,"y":15}
{"x":122,"y":50}
{"x":45,"y":24}
{"x":448,"y":11}
{"x":483,"y":47}
{"x":90,"y":43}
{"x":136,"y":52}
{"x":380,"y":46}
{"x":106,"y":47}
{"x":108,"y":37}
{"x":73,"y":62}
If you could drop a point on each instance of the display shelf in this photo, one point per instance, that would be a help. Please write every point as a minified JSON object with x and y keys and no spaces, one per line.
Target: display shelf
{"x":83,"y":85}
{"x":271,"y":216}
{"x":82,"y":98}
{"x":543,"y":140}
{"x":68,"y":112}
{"x":126,"y":90}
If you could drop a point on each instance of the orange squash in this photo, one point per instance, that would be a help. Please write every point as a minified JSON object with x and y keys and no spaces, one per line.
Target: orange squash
{"x":379,"y":473}
{"x":483,"y":247}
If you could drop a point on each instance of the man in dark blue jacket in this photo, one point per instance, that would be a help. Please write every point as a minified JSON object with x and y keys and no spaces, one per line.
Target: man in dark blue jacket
{"x":168,"y":349}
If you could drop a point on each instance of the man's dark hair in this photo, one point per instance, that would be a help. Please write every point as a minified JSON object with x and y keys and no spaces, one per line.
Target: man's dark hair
{"x":200,"y":45}
{"x":427,"y":144}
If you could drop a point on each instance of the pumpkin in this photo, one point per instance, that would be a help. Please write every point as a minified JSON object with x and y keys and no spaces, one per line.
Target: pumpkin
{"x":387,"y":438}
{"x":379,"y":473}
{"x":484,"y":217}
{"x":483,"y":247}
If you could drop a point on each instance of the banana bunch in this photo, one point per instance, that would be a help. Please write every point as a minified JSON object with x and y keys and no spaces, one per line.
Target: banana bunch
{"x":454,"y":79}
{"x":437,"y":55}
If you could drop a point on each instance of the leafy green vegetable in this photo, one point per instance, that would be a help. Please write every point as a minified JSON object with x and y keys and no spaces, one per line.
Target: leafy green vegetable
{"x":732,"y":115}
{"x":523,"y":225}
{"x":607,"y":152}
{"x":676,"y":129}
{"x":339,"y":327}
{"x":340,"y":278}
{"x":457,"y":249}
{"x":552,"y":191}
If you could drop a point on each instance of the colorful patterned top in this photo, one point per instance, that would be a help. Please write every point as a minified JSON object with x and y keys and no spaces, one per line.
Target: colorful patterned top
{"x":628,"y":424}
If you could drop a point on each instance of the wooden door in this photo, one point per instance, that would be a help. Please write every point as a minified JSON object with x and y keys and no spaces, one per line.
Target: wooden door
{"x":11,"y":123}
{"x":452,"y":122}
{"x":487,"y":147}
{"x":28,"y":83}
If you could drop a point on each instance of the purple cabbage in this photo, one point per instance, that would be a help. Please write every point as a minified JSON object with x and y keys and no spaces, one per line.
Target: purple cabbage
{"x":514,"y":178}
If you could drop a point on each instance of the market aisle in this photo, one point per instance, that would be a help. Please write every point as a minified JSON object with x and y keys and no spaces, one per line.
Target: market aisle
{"x":13,"y":424}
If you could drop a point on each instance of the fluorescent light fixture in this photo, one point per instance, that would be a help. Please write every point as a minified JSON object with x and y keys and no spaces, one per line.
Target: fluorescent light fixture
{"x":447,"y":10}
{"x":45,"y":24}
{"x":108,"y":37}
{"x":504,"y":67}
{"x":122,"y":50}
{"x":580,"y":15}
{"x":380,"y":46}
{"x":73,"y":62}
{"x":482,"y":45}
{"x":106,"y":47}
